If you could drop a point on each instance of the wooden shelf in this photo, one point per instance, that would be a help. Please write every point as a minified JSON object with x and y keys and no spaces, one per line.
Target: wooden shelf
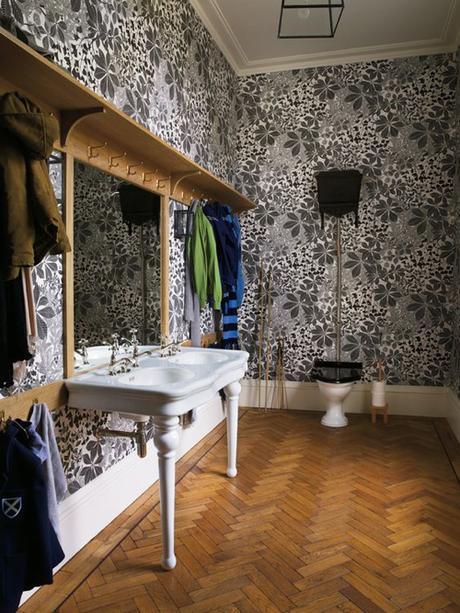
{"x":87,"y":119}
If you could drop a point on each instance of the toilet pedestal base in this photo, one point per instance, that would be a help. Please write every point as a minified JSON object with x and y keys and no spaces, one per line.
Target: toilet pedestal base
{"x":334,"y":395}
{"x":334,"y":417}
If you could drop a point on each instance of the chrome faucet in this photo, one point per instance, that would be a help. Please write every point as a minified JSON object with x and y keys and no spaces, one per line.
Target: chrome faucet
{"x":132,"y":343}
{"x":122,"y":366}
{"x":168,"y":349}
{"x":83,"y":350}
{"x":115,"y":348}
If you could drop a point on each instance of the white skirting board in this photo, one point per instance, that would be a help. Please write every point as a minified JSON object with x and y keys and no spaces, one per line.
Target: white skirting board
{"x":453,"y":414}
{"x":416,"y":400}
{"x":84,"y":514}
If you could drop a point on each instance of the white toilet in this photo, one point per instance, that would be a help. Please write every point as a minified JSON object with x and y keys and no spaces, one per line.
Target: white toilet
{"x":335,"y":394}
{"x":335,"y":380}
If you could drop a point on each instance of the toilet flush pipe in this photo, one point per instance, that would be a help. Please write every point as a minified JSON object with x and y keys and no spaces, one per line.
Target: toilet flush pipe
{"x":143,"y":286}
{"x":339,"y":292}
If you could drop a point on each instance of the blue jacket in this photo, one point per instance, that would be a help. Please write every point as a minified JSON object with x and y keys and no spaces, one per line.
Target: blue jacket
{"x":228,"y":240}
{"x":29,"y":548}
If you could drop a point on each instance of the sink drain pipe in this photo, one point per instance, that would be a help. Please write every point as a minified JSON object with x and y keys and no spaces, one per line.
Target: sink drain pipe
{"x":139,"y":435}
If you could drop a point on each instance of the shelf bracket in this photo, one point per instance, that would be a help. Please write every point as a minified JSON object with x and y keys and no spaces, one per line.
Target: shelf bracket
{"x":177,"y":177}
{"x":69,"y":119}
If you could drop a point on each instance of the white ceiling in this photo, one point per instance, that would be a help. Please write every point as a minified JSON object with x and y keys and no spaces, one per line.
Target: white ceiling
{"x":246,"y":32}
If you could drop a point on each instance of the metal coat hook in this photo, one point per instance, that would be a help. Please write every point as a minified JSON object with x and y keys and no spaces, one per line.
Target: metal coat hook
{"x":93,"y":148}
{"x":161,"y":183}
{"x":112,"y":158}
{"x":129,"y":168}
{"x":146,"y":174}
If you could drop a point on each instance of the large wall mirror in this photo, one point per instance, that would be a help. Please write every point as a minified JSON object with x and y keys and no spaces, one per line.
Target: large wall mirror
{"x":117,"y":262}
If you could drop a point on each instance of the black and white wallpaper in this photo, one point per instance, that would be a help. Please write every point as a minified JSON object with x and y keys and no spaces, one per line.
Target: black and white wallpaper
{"x":115,"y":272}
{"x":455,"y":367}
{"x":394,"y":121}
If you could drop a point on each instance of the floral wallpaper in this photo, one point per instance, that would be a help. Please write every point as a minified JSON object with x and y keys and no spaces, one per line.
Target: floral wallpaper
{"x":109,"y":264}
{"x":395,"y":122}
{"x":455,"y":366}
{"x":155,"y":60}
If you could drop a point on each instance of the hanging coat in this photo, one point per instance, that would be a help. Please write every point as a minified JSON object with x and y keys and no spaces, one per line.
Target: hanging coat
{"x":29,"y":548}
{"x":202,"y":255}
{"x":227,"y":243}
{"x":30,"y":223}
{"x":14,"y":346}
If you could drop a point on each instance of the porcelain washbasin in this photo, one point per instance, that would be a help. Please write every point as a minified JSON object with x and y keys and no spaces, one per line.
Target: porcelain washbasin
{"x":197,"y":358}
{"x":152,"y":376}
{"x":160,"y":385}
{"x":95,"y":354}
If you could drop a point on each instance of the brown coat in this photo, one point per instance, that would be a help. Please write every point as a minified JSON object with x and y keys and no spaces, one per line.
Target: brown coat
{"x":30,"y":223}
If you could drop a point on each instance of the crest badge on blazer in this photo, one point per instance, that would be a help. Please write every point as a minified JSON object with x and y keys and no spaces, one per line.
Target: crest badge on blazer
{"x":11,"y":507}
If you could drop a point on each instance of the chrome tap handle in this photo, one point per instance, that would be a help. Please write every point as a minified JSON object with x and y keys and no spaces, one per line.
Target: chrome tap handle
{"x":83,"y":350}
{"x":164,"y":344}
{"x":135,"y":345}
{"x":115,"y":342}
{"x":115,"y":348}
{"x":113,"y":357}
{"x":164,"y":341}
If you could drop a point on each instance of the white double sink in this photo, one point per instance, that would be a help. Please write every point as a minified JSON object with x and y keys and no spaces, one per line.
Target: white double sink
{"x":165,"y":388}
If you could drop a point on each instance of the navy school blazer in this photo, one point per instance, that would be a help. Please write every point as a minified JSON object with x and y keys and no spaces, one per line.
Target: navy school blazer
{"x":29,"y":547}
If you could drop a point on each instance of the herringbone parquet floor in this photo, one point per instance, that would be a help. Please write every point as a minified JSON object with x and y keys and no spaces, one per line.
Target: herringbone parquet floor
{"x":363,"y":518}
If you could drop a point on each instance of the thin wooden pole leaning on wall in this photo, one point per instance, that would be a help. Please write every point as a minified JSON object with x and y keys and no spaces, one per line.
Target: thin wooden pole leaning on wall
{"x":69,"y":340}
{"x":164,"y":270}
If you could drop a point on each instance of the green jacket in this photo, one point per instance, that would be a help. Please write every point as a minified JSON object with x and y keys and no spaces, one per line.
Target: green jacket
{"x":30,"y":223}
{"x":202,"y":254}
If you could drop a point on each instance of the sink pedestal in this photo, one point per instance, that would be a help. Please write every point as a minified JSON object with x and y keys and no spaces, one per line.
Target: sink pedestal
{"x":166,"y":438}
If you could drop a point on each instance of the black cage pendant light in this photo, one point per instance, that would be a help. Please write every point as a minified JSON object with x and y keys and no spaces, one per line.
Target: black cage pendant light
{"x":309,"y":18}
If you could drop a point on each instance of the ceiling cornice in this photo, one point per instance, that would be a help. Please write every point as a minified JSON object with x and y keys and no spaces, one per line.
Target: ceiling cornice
{"x":229,"y":55}
{"x":228,"y":43}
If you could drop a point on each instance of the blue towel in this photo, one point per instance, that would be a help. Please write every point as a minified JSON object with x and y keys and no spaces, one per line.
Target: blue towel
{"x":55,"y":480}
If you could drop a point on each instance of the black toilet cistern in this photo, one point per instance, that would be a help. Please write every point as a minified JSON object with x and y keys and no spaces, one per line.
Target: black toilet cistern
{"x":338,"y":195}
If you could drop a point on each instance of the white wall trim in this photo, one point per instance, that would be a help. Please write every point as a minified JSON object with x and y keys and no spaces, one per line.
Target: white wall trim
{"x":453,"y":412}
{"x":233,"y":57}
{"x":416,"y":400}
{"x":222,"y":33}
{"x":352,"y":56}
{"x":84,"y":514}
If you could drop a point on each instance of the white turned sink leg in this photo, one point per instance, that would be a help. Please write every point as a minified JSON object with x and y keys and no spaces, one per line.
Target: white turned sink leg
{"x":232,"y":395}
{"x":166,"y":439}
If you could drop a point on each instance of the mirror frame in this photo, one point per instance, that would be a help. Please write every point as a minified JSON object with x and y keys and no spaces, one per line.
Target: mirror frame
{"x":68,"y":259}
